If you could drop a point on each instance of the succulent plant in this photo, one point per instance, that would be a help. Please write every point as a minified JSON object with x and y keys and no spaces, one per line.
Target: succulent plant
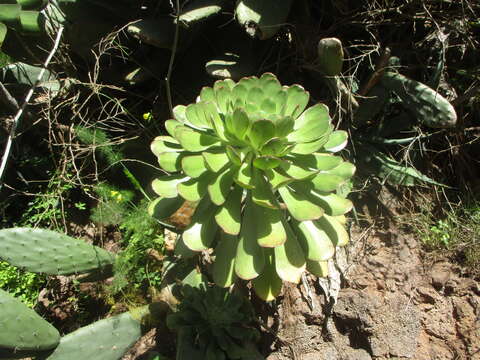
{"x":261,"y":167}
{"x":213,"y":323}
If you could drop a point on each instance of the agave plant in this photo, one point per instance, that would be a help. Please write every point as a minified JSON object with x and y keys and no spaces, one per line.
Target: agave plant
{"x":260,"y":167}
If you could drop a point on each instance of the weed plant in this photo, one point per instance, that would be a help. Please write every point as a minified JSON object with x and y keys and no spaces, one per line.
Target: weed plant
{"x":23,"y":285}
{"x":454,"y":235}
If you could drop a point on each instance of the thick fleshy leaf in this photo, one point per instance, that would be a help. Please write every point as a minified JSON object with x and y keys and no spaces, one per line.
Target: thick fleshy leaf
{"x":193,"y":165}
{"x":333,"y":204}
{"x":318,"y":268}
{"x":171,"y":125}
{"x":216,"y":120}
{"x":30,"y":21}
{"x":170,"y":161}
{"x":255,"y":96}
{"x":262,"y":193}
{"x":336,"y":141}
{"x":269,"y":83}
{"x":207,"y":94}
{"x":10,"y":13}
{"x":162,"y":208}
{"x":243,"y":176}
{"x":179,"y":113}
{"x":250,"y":258}
{"x":195,"y":141}
{"x":269,"y":226}
{"x":289,"y":258}
{"x":200,"y":233}
{"x":216,"y":159}
{"x":239,"y":95}
{"x":268,"y":106}
{"x":310,"y":147}
{"x":195,"y":189}
{"x":274,"y":147}
{"x":266,"y":162}
{"x":233,"y":155}
{"x":237,"y":123}
{"x":223,"y":271}
{"x":295,"y":171}
{"x":313,"y":124}
{"x":197,"y":116}
{"x":221,"y":186}
{"x":298,"y":206}
{"x":314,"y":240}
{"x":316,"y":161}
{"x":166,"y":186}
{"x":334,"y":229}
{"x":268,"y":285}
{"x":261,"y":132}
{"x":3,"y":33}
{"x":345,"y":170}
{"x":278,"y":178}
{"x":297,"y":100}
{"x":223,"y":95}
{"x":228,"y":216}
{"x":326,"y":182}
{"x":163,"y":144}
{"x":283,"y":125}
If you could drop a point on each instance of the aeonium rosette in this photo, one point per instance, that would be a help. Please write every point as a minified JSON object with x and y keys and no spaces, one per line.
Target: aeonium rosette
{"x":263,"y":171}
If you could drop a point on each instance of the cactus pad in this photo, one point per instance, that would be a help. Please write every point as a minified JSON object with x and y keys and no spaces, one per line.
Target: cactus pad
{"x":22,"y":329}
{"x":106,"y":339}
{"x":46,"y":251}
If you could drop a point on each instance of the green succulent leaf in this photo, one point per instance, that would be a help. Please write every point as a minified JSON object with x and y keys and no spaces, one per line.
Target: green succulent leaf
{"x":337,"y":141}
{"x":269,"y":226}
{"x":193,"y":165}
{"x":223,"y":272}
{"x":311,"y":125}
{"x":170,"y":161}
{"x":268,"y":285}
{"x":250,"y":258}
{"x":298,"y":206}
{"x":162,"y":208}
{"x":296,"y":102}
{"x":314,"y":240}
{"x":163,"y":144}
{"x":228,"y":216}
{"x":166,"y":186}
{"x":221,"y":186}
{"x":179,"y":113}
{"x":289,"y":258}
{"x":195,"y":189}
{"x":200,"y":233}
{"x":193,"y":140}
{"x":216,"y":159}
{"x":326,"y":182}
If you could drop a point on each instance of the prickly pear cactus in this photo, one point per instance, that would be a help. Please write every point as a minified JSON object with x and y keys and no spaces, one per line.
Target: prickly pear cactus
{"x":107,"y":339}
{"x":49,"y":252}
{"x":261,"y":167}
{"x":262,"y":18}
{"x":22,"y":329}
{"x":428,"y":106}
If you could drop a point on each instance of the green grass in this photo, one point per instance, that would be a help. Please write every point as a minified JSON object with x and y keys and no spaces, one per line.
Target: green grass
{"x":456,"y":235}
{"x":23,"y":285}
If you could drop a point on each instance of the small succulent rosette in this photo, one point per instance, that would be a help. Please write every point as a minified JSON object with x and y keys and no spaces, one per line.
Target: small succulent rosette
{"x":261,"y":167}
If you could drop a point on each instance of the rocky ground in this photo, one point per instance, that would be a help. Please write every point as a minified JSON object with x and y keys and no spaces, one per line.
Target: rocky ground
{"x":392,"y":306}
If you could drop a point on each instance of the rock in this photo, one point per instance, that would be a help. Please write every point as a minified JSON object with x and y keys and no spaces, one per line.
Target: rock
{"x":386,"y":328}
{"x":440,"y":274}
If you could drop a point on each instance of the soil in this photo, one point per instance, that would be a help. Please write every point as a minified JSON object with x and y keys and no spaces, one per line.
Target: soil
{"x":392,"y":306}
